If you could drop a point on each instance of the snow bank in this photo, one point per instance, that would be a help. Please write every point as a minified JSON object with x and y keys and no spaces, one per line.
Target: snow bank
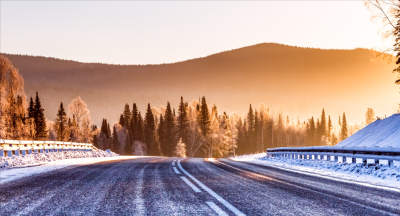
{"x":39,"y":158}
{"x":381,"y":133}
{"x":382,"y":175}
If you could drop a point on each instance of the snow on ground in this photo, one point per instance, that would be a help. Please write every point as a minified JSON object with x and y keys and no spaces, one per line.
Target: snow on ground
{"x":372,"y":174}
{"x":7,"y":175}
{"x":39,"y":158}
{"x":381,"y":133}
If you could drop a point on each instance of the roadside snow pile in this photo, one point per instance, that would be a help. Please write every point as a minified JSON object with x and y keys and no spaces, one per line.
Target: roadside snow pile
{"x":370,"y":173}
{"x":381,"y":133}
{"x":38,"y":158}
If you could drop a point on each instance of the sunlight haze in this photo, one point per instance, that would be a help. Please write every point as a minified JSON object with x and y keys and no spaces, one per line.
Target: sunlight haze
{"x":133,"y":32}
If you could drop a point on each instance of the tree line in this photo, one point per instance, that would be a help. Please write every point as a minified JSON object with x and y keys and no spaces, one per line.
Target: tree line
{"x":195,"y":129}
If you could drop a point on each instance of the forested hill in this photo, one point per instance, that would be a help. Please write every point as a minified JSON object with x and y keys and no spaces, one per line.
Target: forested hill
{"x":302,"y":81}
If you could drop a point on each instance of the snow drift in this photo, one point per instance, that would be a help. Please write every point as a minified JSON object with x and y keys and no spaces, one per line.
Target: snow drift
{"x":381,"y":133}
{"x":38,"y":158}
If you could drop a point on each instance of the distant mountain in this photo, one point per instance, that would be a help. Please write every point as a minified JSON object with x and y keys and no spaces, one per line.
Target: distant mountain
{"x":302,"y":81}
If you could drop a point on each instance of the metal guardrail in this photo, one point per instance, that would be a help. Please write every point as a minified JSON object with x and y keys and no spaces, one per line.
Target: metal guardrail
{"x":23,"y":147}
{"x":381,"y":155}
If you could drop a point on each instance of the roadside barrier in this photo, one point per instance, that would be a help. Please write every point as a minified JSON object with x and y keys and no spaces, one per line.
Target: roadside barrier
{"x":9,"y":148}
{"x":368,"y":155}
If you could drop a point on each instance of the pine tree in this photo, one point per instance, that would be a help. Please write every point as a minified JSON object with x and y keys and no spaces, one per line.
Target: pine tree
{"x":343,"y":131}
{"x":240,"y":136}
{"x":126,"y":116}
{"x":318,"y":133}
{"x":323,"y":123}
{"x":121,"y":120}
{"x":40,"y":120}
{"x":161,"y":137}
{"x":140,"y":129}
{"x":108,"y":131}
{"x":183,"y":122}
{"x":31,"y":109}
{"x":311,"y":135}
{"x":169,"y":130}
{"x":149,"y":128}
{"x":155,"y":148}
{"x":128,"y":145}
{"x":330,"y":127}
{"x":134,"y":123}
{"x":61,"y":124}
{"x":116,"y":145}
{"x":256,"y":131}
{"x":204,"y":117}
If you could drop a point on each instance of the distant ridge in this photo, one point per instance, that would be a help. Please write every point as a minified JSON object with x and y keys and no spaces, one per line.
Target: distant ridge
{"x":301,"y":80}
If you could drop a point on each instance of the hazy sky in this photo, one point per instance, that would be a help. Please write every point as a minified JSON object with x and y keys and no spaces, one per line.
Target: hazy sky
{"x":133,"y":32}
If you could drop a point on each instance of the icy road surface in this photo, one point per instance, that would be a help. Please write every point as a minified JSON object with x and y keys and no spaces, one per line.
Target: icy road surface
{"x":171,"y":186}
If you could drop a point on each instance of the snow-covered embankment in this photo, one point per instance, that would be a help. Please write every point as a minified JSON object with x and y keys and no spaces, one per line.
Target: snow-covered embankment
{"x":375,"y":174}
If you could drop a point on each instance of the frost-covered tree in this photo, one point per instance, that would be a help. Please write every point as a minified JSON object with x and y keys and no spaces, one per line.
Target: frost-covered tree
{"x":344,"y":130}
{"x":369,"y":116}
{"x":180,"y":149}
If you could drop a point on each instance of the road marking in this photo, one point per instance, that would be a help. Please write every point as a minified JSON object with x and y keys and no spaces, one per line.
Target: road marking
{"x":173,"y":163}
{"x":299,"y":186}
{"x":217,"y":210}
{"x":196,"y":189}
{"x":212,"y":193}
{"x":176,"y":170}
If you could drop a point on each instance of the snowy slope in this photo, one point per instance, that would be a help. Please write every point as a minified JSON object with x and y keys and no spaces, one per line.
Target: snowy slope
{"x":381,"y":133}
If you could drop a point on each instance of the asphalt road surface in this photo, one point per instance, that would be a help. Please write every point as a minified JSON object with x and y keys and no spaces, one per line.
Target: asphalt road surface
{"x":164,"y":186}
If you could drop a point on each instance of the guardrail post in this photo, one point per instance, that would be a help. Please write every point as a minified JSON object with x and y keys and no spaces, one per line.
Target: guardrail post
{"x":333,"y":158}
{"x":385,"y":162}
{"x":30,"y":151}
{"x":350,"y":160}
{"x":47,"y":150}
{"x":9,"y":153}
{"x":23,"y":152}
{"x":1,"y":153}
{"x":36,"y":151}
{"x":16,"y":152}
{"x":372,"y":161}
{"x":340,"y":159}
{"x":313,"y":157}
{"x":360,"y":160}
{"x":326,"y":157}
{"x":41,"y":151}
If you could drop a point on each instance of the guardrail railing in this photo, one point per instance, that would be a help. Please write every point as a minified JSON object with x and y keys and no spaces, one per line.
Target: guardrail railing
{"x":23,"y":147}
{"x":369,"y":155}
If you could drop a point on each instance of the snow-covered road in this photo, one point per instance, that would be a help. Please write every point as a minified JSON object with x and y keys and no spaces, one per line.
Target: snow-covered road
{"x":160,"y":186}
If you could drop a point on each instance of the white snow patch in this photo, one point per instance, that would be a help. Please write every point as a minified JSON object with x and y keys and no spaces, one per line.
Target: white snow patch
{"x":7,"y":175}
{"x":372,"y":174}
{"x":381,"y":133}
{"x":40,"y":158}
